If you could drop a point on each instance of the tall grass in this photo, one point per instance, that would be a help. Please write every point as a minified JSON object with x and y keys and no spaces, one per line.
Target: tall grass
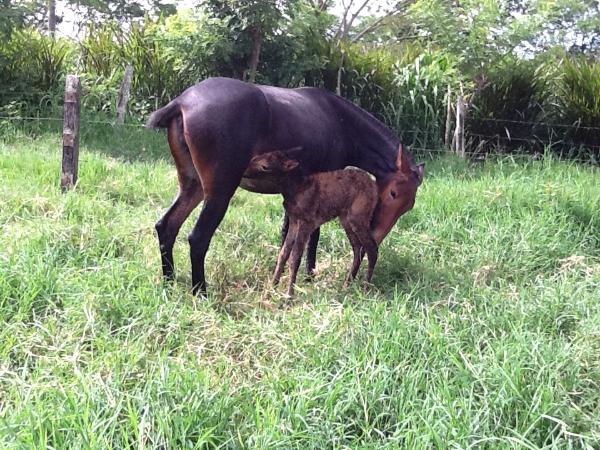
{"x":417,"y":106}
{"x":505,"y":111}
{"x":32,"y":67}
{"x":481,"y":328}
{"x":578,"y":103}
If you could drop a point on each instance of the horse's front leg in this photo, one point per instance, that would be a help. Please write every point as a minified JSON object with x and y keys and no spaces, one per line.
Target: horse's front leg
{"x":189,"y":196}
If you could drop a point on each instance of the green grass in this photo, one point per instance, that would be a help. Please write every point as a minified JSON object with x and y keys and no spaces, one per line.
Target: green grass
{"x":481,"y":329}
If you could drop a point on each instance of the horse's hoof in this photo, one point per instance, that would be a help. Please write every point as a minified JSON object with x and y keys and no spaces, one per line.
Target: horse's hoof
{"x":199,"y":290}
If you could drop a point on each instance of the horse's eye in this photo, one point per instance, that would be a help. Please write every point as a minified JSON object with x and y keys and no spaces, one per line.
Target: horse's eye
{"x":264,"y":167}
{"x":393,"y":194}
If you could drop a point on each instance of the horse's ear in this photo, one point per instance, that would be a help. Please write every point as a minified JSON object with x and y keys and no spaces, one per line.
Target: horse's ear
{"x":420,"y":171}
{"x":399,"y":158}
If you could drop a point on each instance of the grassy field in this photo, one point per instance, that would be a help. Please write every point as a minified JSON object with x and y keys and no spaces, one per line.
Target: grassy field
{"x":481,"y":329}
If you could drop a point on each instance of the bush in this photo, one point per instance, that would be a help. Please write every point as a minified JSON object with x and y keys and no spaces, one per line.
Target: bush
{"x":506,"y":111}
{"x":417,"y":105}
{"x":577,"y":103}
{"x":32,"y":69}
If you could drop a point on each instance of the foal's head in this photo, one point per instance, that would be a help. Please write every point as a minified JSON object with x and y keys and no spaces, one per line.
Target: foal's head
{"x":275,"y":162}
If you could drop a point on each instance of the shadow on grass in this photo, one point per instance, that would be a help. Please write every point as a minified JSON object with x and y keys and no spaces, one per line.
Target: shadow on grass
{"x":583,"y":217}
{"x":400,"y":273}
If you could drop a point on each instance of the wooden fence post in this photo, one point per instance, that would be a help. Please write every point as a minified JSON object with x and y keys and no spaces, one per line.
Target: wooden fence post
{"x":459,"y":132}
{"x":123,"y":97}
{"x":448,"y":133}
{"x":70,"y":159}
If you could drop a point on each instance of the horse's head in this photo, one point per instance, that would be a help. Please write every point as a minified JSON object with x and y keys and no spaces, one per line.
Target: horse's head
{"x":275,"y":162}
{"x":397,"y":192}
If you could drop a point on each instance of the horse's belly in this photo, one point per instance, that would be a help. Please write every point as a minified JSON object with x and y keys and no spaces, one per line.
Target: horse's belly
{"x":260,"y":186}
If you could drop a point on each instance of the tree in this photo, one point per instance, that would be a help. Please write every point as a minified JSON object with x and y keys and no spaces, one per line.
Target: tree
{"x":483,"y":32}
{"x":52,"y":16}
{"x":344,"y":35}
{"x":254,"y":20}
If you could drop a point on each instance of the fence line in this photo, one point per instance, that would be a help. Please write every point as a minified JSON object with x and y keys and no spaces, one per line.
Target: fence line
{"x":532,"y":141}
{"x":472,"y":118}
{"x":523,"y":122}
{"x":526,"y":122}
{"x":412,"y":147}
{"x":57,"y":119}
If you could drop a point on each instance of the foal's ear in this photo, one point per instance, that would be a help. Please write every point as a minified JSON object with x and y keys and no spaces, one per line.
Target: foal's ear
{"x":290,"y":164}
{"x":292,"y":153}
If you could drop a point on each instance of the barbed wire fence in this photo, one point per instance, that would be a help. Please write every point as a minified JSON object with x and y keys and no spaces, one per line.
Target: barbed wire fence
{"x":472,"y":144}
{"x":492,"y":146}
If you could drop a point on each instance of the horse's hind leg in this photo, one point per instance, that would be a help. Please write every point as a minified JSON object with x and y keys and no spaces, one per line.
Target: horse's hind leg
{"x":220,"y":179}
{"x":189,"y":195}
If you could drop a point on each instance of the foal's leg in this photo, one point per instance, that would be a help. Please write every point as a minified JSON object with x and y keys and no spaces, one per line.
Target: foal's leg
{"x":189,"y":195}
{"x":284,"y":253}
{"x":311,"y":250}
{"x":369,"y":245}
{"x":357,"y":251}
{"x":311,"y":253}
{"x":297,"y":250}
{"x":285,"y":226}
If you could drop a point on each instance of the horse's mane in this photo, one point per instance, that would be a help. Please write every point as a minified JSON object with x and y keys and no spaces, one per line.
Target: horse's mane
{"x":381,"y":140}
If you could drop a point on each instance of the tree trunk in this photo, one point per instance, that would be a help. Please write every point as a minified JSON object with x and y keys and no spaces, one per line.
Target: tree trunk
{"x":338,"y":87}
{"x":70,"y":159}
{"x":255,"y":56}
{"x":459,"y":133}
{"x":52,"y":16}
{"x":447,"y":137}
{"x":123,"y":96}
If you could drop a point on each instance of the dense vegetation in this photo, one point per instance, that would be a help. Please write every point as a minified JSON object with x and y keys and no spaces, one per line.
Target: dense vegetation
{"x":528,"y":69}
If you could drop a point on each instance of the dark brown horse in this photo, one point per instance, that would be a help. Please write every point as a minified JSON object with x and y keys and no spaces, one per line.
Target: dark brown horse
{"x":218,"y":125}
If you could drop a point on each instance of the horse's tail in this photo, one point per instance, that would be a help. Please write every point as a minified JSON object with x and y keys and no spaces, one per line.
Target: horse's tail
{"x":163,"y":116}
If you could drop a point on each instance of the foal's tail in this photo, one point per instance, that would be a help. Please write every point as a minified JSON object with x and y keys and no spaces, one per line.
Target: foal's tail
{"x":163,"y":116}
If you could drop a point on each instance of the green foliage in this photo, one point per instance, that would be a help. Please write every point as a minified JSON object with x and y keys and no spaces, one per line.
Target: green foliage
{"x":12,"y":16}
{"x":578,"y":94}
{"x":417,"y":99}
{"x":86,"y":12}
{"x":250,"y":22}
{"x":302,"y":54}
{"x":32,"y":67}
{"x":577,"y":101}
{"x":157,"y":68}
{"x":506,"y":110}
